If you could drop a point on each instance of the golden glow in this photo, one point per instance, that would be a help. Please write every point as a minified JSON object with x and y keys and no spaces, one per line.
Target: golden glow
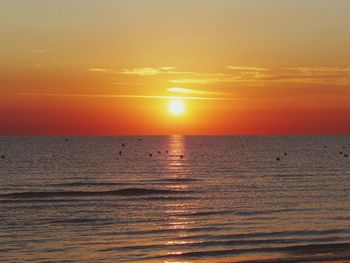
{"x":176,"y":107}
{"x":99,"y":85}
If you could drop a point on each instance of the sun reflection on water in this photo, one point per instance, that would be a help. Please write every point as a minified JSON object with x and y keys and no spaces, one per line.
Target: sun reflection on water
{"x":177,"y":160}
{"x":177,"y":213}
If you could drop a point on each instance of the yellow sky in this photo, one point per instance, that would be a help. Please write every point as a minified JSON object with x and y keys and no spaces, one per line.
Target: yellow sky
{"x":105,"y":67}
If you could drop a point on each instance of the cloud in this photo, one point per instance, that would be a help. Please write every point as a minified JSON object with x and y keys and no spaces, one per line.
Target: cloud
{"x":141,"y":71}
{"x":211,"y":80}
{"x":321,"y":69}
{"x":191,"y":81}
{"x":151,"y":97}
{"x":167,"y":68}
{"x":147,"y":71}
{"x":312,"y":75}
{"x":127,"y":96}
{"x":194,"y":91}
{"x":262,"y":76}
{"x":154,"y":71}
{"x":250,"y":75}
{"x":98,"y":70}
{"x":125,"y":84}
{"x":246,"y":68}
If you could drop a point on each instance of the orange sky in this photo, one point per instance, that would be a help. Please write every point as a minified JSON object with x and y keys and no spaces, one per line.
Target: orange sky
{"x":108,"y":67}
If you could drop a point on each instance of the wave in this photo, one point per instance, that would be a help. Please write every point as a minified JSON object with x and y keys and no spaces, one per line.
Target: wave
{"x":202,"y":213}
{"x":175,"y":180}
{"x":182,"y":245}
{"x":89,"y":184}
{"x":169,"y":198}
{"x":325,"y":249}
{"x":120,"y":192}
{"x":287,"y":233}
{"x":234,"y":212}
{"x":82,"y":221}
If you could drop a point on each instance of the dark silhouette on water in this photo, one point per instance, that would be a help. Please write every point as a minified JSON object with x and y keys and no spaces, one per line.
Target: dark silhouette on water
{"x":150,"y":155}
{"x":120,"y":152}
{"x":123,"y":145}
{"x":2,"y":156}
{"x":278,"y":159}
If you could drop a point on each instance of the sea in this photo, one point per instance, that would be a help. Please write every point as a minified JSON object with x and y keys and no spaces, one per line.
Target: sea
{"x":175,"y":199}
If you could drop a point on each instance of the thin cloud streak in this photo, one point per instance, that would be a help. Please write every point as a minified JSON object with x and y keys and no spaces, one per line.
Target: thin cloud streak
{"x":194,"y":91}
{"x":246,"y":68}
{"x":245,"y":75}
{"x":125,"y":84}
{"x":321,"y":69}
{"x":127,"y":96}
{"x":98,"y":70}
{"x":157,"y":97}
{"x":153,"y":71}
{"x":307,"y":75}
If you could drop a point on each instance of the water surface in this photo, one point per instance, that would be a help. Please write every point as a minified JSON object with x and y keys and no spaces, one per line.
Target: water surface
{"x":175,"y":198}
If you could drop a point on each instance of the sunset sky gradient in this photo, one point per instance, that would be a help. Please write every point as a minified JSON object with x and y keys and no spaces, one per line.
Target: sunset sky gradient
{"x":88,"y":67}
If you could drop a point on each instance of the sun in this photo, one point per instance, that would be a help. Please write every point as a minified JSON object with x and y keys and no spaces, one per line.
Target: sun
{"x":176,"y":107}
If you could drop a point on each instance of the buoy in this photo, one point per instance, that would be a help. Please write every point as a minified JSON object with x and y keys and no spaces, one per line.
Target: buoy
{"x":150,"y":155}
{"x":278,"y":159}
{"x":2,"y":156}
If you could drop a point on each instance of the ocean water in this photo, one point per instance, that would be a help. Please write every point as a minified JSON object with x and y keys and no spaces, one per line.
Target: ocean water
{"x":175,"y":199}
